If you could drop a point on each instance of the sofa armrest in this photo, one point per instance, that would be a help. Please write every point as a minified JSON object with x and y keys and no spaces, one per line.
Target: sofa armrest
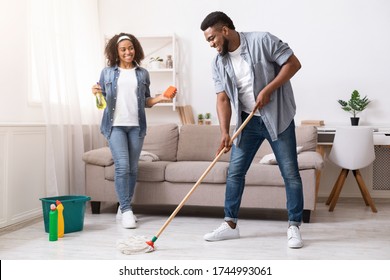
{"x":100,"y":157}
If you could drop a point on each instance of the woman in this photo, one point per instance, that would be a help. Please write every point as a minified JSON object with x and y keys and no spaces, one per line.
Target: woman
{"x":125,"y":86}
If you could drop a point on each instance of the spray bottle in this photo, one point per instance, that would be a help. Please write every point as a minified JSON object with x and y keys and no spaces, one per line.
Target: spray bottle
{"x":100,"y":100}
{"x":61,"y":224}
{"x":53,"y":223}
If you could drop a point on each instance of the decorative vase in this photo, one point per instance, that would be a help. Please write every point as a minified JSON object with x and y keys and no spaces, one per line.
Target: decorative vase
{"x":354,"y":121}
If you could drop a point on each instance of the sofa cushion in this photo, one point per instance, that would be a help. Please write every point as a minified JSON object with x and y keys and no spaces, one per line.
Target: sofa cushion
{"x":101,"y":157}
{"x":271,"y":159}
{"x":162,"y":140}
{"x":306,"y":138}
{"x":199,"y":143}
{"x":264,"y":175}
{"x":191,"y":171}
{"x":152,"y":171}
{"x":306,"y":160}
{"x":147,"y":171}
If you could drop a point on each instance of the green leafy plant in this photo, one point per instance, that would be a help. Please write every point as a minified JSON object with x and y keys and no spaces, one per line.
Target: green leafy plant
{"x":355,"y":104}
{"x":157,"y":58}
{"x":200,"y":117}
{"x":207,"y":116}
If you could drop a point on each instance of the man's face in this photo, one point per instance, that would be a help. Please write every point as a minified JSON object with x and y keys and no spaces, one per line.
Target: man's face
{"x":216,"y":38}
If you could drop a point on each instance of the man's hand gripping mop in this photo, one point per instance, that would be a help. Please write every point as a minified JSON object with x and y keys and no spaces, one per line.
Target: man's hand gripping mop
{"x":139,"y":244}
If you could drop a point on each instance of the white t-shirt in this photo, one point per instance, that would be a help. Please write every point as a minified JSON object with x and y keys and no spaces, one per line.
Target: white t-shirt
{"x":243,"y":75}
{"x":126,"y":110}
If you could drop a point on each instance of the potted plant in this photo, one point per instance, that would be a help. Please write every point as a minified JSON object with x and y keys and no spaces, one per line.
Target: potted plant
{"x":354,"y":105}
{"x":200,"y":118}
{"x":155,"y":62}
{"x":207,"y":119}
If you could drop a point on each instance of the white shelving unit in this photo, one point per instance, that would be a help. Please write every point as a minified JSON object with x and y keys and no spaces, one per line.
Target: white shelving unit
{"x":161,"y":78}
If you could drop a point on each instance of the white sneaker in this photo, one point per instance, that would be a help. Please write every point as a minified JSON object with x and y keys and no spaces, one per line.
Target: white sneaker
{"x":119,"y":215}
{"x":224,"y":232}
{"x":128,"y":220}
{"x":294,"y":238}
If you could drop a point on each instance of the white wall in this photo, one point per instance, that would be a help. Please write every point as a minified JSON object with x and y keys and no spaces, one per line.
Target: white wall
{"x":343,"y":45}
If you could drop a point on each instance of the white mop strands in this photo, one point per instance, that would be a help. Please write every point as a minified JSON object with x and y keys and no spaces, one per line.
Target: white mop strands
{"x":134,"y":245}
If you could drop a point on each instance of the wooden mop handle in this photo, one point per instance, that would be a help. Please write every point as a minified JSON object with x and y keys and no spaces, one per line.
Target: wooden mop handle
{"x":203,"y":175}
{"x":242,"y":126}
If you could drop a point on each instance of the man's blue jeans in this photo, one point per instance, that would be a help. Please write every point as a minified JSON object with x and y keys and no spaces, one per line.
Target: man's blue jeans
{"x":284,"y":148}
{"x":125,"y":145}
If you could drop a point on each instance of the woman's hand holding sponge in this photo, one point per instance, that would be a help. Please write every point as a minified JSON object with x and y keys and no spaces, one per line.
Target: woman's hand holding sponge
{"x":170,"y":92}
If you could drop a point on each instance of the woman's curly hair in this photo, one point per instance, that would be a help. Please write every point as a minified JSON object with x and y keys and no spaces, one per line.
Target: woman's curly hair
{"x":111,"y":50}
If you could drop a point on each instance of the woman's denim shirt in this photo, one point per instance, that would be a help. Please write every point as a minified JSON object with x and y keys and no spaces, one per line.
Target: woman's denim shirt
{"x":109,"y":82}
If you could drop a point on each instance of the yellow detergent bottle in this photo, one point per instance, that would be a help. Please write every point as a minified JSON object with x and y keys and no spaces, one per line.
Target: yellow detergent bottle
{"x":61,"y":224}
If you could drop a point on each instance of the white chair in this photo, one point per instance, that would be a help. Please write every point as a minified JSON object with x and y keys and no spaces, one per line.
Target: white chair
{"x":353,"y":149}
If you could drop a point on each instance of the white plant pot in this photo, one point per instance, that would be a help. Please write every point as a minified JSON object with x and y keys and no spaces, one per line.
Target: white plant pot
{"x":155,"y":65}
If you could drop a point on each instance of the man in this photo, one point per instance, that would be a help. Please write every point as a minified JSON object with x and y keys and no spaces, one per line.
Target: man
{"x":252,"y":71}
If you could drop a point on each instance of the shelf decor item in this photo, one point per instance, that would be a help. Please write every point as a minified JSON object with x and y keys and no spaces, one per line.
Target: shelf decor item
{"x":169,"y":62}
{"x":207,"y":119}
{"x":200,"y":119}
{"x":157,"y":50}
{"x":155,"y":62}
{"x":354,"y":105}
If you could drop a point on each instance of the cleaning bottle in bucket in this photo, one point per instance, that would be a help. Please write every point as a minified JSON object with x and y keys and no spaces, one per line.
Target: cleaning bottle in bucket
{"x":53,"y":223}
{"x":61,"y":223}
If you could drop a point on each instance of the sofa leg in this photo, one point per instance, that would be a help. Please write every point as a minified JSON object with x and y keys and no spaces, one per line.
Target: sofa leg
{"x":306,"y":216}
{"x":95,"y":207}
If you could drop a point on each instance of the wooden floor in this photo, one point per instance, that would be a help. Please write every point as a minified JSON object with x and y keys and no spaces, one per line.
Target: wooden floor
{"x":351,"y":232}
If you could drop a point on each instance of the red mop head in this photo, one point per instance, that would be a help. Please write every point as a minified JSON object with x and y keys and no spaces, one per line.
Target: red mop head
{"x":150,"y":243}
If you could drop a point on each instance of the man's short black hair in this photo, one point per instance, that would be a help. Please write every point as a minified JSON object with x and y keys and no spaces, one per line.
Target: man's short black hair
{"x":215,"y":18}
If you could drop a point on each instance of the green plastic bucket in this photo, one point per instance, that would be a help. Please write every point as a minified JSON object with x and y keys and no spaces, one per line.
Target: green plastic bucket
{"x":74,"y":210}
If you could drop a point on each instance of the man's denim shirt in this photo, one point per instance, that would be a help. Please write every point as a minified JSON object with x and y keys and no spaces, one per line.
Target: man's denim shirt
{"x":109,"y":82}
{"x":266,"y":54}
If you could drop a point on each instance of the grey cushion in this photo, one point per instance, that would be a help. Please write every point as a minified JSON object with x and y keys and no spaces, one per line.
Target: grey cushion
{"x":306,"y":137}
{"x":199,"y":143}
{"x":147,"y":171}
{"x":191,"y":171}
{"x":162,"y":140}
{"x":152,"y":171}
{"x":264,"y":175}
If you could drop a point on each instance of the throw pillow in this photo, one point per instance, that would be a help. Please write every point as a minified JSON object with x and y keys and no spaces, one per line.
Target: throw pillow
{"x":270,"y":158}
{"x":148,"y":156}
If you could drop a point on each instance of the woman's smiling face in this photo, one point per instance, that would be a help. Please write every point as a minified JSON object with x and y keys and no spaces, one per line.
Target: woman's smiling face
{"x":126,"y":53}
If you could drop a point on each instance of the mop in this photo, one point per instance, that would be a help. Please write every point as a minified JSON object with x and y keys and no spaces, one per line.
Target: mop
{"x":140,"y":244}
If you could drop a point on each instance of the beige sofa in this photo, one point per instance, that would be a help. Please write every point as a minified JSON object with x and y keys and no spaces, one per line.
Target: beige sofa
{"x":179,"y":156}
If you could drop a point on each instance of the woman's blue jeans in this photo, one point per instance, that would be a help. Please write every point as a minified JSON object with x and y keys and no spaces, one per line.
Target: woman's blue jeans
{"x":125,"y":145}
{"x":284,"y":148}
